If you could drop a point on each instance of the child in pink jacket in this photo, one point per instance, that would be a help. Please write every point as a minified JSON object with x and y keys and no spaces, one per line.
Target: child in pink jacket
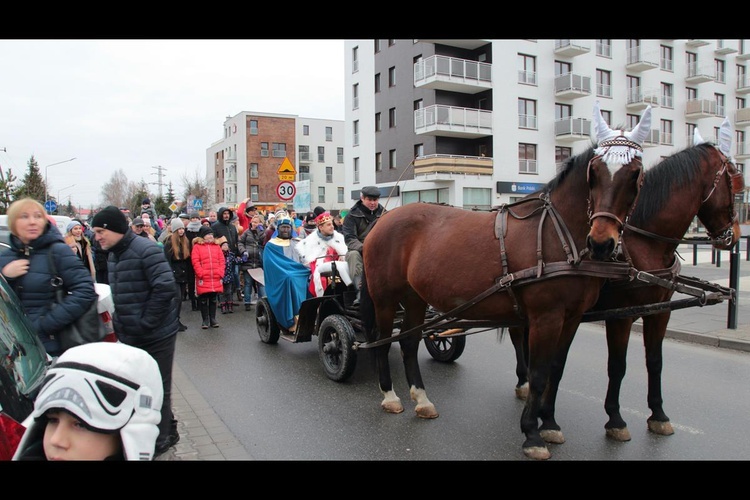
{"x":208,"y":263}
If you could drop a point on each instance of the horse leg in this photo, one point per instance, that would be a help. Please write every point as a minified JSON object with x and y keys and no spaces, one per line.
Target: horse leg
{"x":414,"y":313}
{"x":654,"y":329}
{"x":618,"y":335}
{"x":519,"y":336}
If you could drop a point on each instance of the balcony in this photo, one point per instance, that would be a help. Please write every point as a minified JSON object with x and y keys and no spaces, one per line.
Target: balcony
{"x":464,"y":44}
{"x":652,"y":139}
{"x":722,"y":48}
{"x":700,"y":108}
{"x":743,"y":85}
{"x":230,"y":175}
{"x":743,"y":57}
{"x":696,"y":43}
{"x":639,"y":99}
{"x":452,"y":121}
{"x":569,"y":130}
{"x":447,"y":167}
{"x":304,"y":157}
{"x":639,"y":60}
{"x":700,"y":74}
{"x":572,"y":86}
{"x":572,"y":48}
{"x":743,"y":152}
{"x":452,"y":74}
{"x":742,"y":118}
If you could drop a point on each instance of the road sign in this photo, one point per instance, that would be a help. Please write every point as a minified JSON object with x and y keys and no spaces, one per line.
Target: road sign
{"x":173,"y":207}
{"x":287,"y":177}
{"x":286,"y":168}
{"x":51,"y":206}
{"x":286,"y":190}
{"x":198,"y":204}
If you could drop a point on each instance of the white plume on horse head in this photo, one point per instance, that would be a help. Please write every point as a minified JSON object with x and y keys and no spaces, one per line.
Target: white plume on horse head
{"x":725,"y":137}
{"x":619,"y":152}
{"x":641,"y":131}
{"x":697,"y":137}
{"x":603,"y":132}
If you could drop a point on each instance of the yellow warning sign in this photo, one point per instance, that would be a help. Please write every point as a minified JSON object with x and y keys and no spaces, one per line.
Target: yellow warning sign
{"x":287,"y":177}
{"x":286,"y":167}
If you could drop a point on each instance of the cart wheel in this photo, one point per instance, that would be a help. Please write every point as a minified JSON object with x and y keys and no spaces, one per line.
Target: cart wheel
{"x":265,"y":321}
{"x":445,"y":349}
{"x":335,"y":341}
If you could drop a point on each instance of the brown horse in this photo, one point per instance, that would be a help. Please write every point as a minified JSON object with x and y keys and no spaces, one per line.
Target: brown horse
{"x":698,"y":181}
{"x":523,"y":260}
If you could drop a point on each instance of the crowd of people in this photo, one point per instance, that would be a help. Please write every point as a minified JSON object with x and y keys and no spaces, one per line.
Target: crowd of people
{"x":152,"y":266}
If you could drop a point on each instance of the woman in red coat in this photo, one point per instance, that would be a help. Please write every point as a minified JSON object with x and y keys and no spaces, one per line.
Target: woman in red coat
{"x":208,"y":263}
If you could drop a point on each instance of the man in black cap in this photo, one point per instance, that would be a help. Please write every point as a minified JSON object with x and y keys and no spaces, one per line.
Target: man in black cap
{"x":145,"y":297}
{"x":357,"y":225}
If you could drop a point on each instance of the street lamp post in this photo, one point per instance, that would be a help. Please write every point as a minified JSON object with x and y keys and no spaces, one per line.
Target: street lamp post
{"x":46,"y":186}
{"x":60,"y":191}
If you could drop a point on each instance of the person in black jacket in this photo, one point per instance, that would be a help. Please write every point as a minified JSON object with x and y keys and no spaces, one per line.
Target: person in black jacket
{"x":26,"y":267}
{"x":251,"y":254}
{"x":145,"y":297}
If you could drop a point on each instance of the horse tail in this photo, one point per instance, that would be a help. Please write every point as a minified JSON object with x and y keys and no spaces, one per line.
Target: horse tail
{"x":367,"y":310}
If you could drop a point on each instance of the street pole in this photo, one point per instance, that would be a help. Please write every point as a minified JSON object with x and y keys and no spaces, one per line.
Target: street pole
{"x":46,"y":186}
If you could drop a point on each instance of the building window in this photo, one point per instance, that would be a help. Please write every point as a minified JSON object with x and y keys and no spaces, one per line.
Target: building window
{"x":321,"y":194}
{"x":279,"y":150}
{"x":355,"y":96}
{"x":264,"y":149}
{"x":739,"y":141}
{"x":740,"y":102}
{"x":563,"y":111}
{"x":329,"y":134}
{"x":253,"y":170}
{"x":721,"y":70}
{"x":666,"y":58}
{"x":305,"y":129}
{"x":607,"y":116}
{"x":418,"y":104}
{"x":355,"y":131}
{"x":692,"y":94}
{"x":377,"y":45}
{"x":304,"y":153}
{"x":562,"y":154}
{"x":634,"y":88}
{"x":418,"y":150}
{"x":563,"y":68}
{"x":339,"y":155}
{"x":329,"y":175}
{"x":666,"y":132}
{"x":340,"y":195}
{"x":392,"y":76}
{"x":377,"y":122}
{"x":526,"y":69}
{"x":632,"y":121}
{"x":355,"y":59}
{"x":355,"y":168}
{"x":720,"y":103}
{"x":377,"y":83}
{"x":391,"y":42}
{"x":253,"y":127}
{"x":690,"y":129}
{"x":527,"y":158}
{"x":392,"y":158}
{"x":603,"y":83}
{"x":378,"y":162}
{"x":667,"y":95}
{"x":304,"y":173}
{"x":254,"y":193}
{"x":527,"y":114}
{"x":321,"y":154}
{"x":392,"y":117}
{"x":604,"y":47}
{"x":741,"y":76}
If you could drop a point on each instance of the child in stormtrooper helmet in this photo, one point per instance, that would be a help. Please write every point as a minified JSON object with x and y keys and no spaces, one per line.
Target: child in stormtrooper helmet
{"x":98,"y":401}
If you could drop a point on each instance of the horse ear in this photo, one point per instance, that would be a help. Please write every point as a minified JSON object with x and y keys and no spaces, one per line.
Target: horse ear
{"x":641,"y":131}
{"x":600,"y":126}
{"x":725,"y":137}
{"x":697,"y":137}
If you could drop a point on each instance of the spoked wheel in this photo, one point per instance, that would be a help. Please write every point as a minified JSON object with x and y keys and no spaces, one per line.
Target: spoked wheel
{"x":335,"y":347}
{"x":265,"y":321}
{"x":445,"y":349}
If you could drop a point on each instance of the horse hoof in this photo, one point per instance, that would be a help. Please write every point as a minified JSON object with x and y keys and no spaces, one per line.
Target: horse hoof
{"x":621,"y":435}
{"x":393,"y":407}
{"x":552,"y":436}
{"x":537,"y":452}
{"x":522,"y":392}
{"x":426,"y":411}
{"x":661,"y":428}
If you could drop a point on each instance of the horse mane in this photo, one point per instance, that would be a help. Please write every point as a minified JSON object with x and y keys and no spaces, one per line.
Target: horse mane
{"x":579,"y":162}
{"x":676,"y":171}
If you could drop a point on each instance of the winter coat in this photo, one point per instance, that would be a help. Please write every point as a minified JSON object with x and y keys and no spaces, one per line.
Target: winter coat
{"x":100,"y":262}
{"x":208,"y":266}
{"x":180,"y":264}
{"x":144,"y":291}
{"x":251,"y":242}
{"x":87,"y":257}
{"x":226,"y":229}
{"x":34,"y":290}
{"x":356,"y":222}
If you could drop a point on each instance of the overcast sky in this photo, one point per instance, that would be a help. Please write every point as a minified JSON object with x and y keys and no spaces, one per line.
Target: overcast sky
{"x":137,"y":104}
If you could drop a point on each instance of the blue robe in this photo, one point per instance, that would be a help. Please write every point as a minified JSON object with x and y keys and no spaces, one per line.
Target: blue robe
{"x":286,"y":284}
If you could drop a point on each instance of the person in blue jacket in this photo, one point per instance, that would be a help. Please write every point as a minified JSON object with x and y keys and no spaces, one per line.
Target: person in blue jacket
{"x":26,"y":267}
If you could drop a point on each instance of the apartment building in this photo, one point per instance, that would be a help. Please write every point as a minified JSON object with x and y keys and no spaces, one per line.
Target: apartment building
{"x":246,"y":161}
{"x":478,"y":123}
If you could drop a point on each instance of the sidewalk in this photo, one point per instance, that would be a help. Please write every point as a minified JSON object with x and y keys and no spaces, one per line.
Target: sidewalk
{"x":203,"y":436}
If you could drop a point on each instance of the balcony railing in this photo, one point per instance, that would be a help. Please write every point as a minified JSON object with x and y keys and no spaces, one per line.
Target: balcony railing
{"x":527,"y":121}
{"x":572,"y":48}
{"x":452,"y":121}
{"x":453,"y":74}
{"x":572,"y":129}
{"x":639,"y":98}
{"x":700,"y":74}
{"x":700,"y":108}
{"x":640,"y":60}
{"x":743,"y":84}
{"x":441,"y":165}
{"x":743,"y":151}
{"x":572,"y":85}
{"x":742,"y":117}
{"x":652,"y":139}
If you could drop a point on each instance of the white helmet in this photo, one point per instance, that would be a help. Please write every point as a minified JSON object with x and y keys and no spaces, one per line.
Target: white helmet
{"x":108,"y":386}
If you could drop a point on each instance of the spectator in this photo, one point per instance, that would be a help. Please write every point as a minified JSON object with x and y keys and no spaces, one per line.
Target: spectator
{"x":191,"y":232}
{"x":322,"y":247}
{"x":145,"y":298}
{"x":357,"y":224}
{"x":250,"y":246}
{"x":225,"y":227}
{"x":146,"y":208}
{"x":26,"y":267}
{"x":100,"y":262}
{"x":213,"y":216}
{"x":177,"y":250}
{"x":150,"y":226}
{"x":113,"y":416}
{"x":208,"y":265}
{"x":246,"y":211}
{"x":80,"y":245}
{"x":139,"y":229}
{"x":228,"y":280}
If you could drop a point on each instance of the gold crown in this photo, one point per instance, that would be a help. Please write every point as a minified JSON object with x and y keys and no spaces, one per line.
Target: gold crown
{"x":323,"y":218}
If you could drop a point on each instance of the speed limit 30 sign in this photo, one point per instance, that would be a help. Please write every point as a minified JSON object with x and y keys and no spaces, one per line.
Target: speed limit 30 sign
{"x":286,"y":190}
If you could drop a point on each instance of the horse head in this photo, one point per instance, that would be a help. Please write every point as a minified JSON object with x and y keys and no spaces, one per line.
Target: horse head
{"x":615,"y":175}
{"x":717,"y":211}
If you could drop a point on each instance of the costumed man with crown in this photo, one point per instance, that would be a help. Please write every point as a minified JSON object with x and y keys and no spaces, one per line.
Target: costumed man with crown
{"x":320,"y":248}
{"x":285,"y":277}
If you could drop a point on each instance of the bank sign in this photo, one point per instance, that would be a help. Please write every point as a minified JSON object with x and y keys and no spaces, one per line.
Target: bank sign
{"x":518,"y":187}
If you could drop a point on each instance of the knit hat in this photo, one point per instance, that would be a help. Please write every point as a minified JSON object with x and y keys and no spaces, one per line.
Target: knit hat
{"x":176,"y":224}
{"x":195,"y":215}
{"x":73,"y":224}
{"x":109,"y":387}
{"x":111,"y":218}
{"x":204,"y":230}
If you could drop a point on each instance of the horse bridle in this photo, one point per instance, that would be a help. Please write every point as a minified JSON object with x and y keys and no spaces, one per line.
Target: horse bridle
{"x":725,"y":235}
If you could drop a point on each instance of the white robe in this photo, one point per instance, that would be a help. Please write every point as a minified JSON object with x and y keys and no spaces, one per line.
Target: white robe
{"x":314,"y":248}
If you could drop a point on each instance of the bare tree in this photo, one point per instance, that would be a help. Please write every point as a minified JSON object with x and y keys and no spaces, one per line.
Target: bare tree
{"x":198,"y":187}
{"x":117,"y":191}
